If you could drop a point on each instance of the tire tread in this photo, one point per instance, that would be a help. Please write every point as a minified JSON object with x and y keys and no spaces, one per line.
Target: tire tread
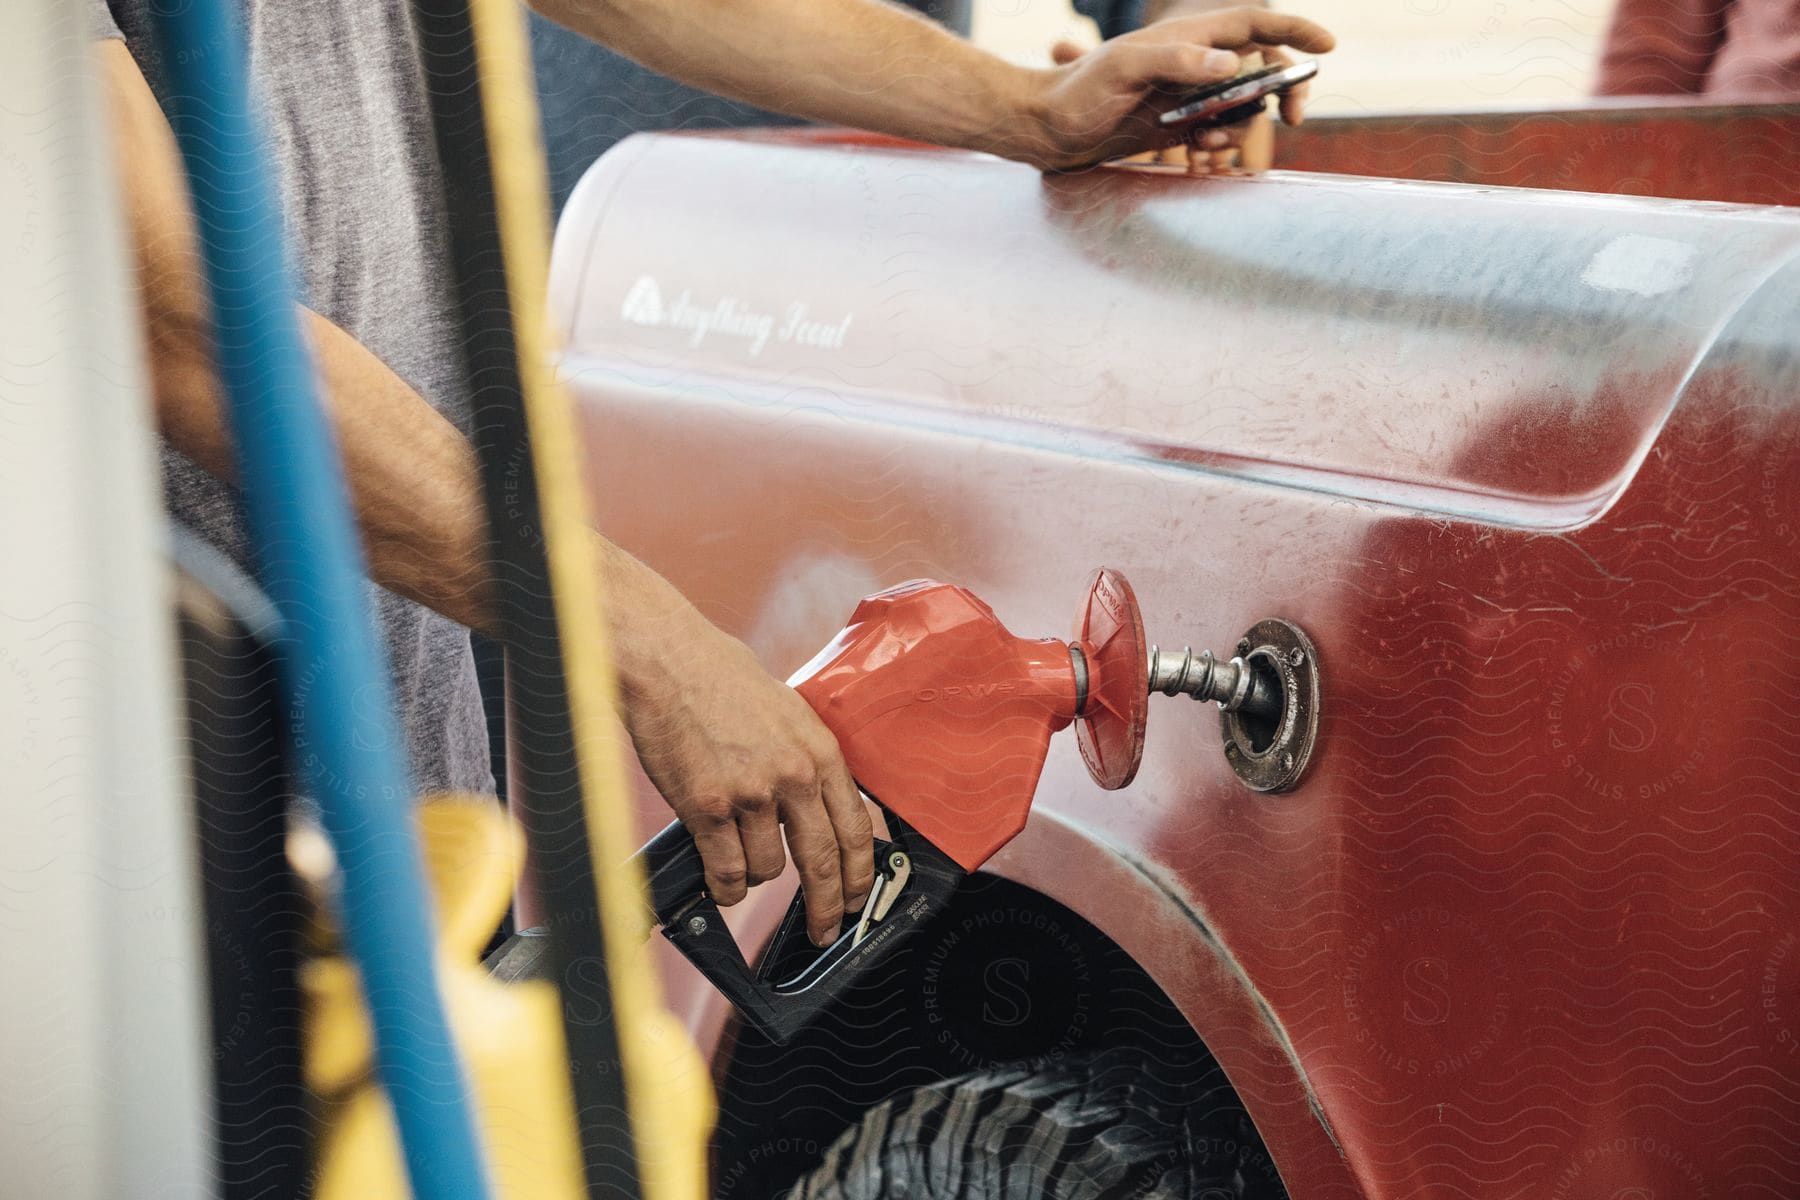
{"x":1114,"y":1124}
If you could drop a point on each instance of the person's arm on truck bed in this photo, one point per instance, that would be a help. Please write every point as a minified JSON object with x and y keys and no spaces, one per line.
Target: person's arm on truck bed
{"x":875,"y":66}
{"x":733,"y":750}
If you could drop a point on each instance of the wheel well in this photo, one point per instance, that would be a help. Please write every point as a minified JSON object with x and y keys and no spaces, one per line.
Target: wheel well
{"x":1005,"y":975}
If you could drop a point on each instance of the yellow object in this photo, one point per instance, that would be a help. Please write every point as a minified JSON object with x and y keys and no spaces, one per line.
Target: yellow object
{"x":510,"y":1034}
{"x":667,"y":1090}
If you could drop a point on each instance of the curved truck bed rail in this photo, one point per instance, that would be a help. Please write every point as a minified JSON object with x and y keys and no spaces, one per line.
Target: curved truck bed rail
{"x":1336,"y":334}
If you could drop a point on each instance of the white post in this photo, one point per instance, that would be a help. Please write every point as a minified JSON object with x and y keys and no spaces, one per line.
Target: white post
{"x":102,"y":1025}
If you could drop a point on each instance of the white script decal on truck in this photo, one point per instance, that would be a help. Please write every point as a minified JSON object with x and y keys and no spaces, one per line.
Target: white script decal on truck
{"x":729,"y":317}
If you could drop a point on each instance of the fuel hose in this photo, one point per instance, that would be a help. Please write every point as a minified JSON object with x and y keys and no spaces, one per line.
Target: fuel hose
{"x":309,"y":562}
{"x":643,"y":1100}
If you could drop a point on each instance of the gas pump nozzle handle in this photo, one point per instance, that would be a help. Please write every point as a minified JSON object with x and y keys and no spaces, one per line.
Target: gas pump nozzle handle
{"x":793,"y":981}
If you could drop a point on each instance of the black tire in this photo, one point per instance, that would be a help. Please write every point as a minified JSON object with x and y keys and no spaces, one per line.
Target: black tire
{"x":1115,"y":1124}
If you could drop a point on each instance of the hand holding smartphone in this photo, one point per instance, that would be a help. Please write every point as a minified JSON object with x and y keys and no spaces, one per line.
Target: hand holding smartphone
{"x":1237,"y":99}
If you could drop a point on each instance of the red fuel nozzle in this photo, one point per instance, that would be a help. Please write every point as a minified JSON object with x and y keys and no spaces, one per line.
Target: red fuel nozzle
{"x":944,"y":716}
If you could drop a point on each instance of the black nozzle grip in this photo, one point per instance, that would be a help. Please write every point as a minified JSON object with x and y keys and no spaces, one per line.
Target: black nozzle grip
{"x":672,"y":865}
{"x":795,"y":980}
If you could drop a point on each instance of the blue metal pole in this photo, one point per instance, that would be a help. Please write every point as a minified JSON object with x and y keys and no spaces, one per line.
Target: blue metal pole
{"x":345,"y":733}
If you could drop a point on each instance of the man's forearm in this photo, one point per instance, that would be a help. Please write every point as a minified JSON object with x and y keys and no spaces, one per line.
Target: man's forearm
{"x":850,"y":62}
{"x":413,"y":480}
{"x":416,"y":485}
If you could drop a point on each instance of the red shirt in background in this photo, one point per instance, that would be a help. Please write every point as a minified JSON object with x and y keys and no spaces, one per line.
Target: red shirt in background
{"x":1728,"y":49}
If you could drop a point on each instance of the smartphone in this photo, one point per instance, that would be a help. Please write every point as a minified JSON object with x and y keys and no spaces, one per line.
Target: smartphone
{"x":1239,"y":98}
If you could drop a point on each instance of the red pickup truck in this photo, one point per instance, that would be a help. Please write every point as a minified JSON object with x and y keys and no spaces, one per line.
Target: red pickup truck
{"x":1522,"y":458}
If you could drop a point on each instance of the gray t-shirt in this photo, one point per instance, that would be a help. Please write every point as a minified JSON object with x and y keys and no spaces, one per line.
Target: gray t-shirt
{"x":344,"y":103}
